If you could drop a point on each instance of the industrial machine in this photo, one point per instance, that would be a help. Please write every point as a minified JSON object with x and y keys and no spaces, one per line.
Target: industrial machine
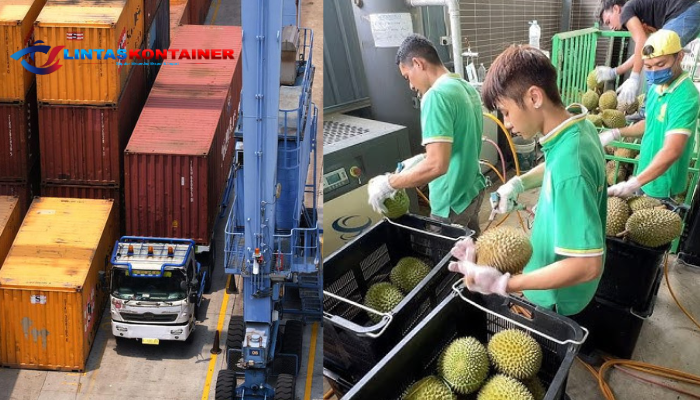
{"x":156,"y":287}
{"x":272,"y":237}
{"x":355,"y":150}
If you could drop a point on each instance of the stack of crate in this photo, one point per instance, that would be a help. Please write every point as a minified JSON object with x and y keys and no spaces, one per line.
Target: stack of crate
{"x":19,"y":139}
{"x":89,"y":107}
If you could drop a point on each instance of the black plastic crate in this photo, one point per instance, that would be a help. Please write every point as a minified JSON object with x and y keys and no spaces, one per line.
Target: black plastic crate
{"x":352,"y":343}
{"x":630,"y":272}
{"x":615,"y":329}
{"x":689,"y":246}
{"x":416,"y":355}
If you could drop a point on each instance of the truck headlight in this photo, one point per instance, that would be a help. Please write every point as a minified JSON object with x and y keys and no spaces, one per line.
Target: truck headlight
{"x":176,"y":332}
{"x":122,"y":328}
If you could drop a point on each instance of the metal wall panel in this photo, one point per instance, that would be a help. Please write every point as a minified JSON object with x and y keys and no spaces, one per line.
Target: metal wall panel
{"x":19,"y":138}
{"x":10,"y":220}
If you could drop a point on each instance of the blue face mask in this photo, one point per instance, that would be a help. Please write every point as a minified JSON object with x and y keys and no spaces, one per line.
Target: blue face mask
{"x":659,"y":77}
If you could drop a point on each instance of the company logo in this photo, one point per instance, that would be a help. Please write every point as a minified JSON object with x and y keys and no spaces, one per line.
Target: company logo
{"x":351,"y":226}
{"x":51,"y":65}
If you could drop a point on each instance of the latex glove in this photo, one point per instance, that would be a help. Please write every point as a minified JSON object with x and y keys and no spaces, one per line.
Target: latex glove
{"x":482,"y":278}
{"x":627,"y":92}
{"x":465,"y":250}
{"x":608,"y":136}
{"x":407,"y":164}
{"x":603,"y":74}
{"x":508,"y":193}
{"x":379,"y":190}
{"x":625,"y":189}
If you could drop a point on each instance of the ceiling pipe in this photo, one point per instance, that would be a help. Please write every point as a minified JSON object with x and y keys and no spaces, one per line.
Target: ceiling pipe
{"x":455,"y":30}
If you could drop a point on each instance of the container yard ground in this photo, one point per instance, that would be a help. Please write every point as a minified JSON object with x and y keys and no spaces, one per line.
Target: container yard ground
{"x":131,"y":370}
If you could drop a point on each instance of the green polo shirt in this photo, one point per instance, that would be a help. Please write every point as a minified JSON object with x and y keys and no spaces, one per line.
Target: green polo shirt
{"x":571,"y":210}
{"x":670,"y":110}
{"x":451,"y":113}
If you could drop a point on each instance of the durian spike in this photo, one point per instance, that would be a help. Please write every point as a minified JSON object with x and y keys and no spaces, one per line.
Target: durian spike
{"x":623,"y":234}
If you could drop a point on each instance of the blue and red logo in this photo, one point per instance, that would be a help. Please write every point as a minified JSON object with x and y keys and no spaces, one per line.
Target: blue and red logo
{"x":51,"y":65}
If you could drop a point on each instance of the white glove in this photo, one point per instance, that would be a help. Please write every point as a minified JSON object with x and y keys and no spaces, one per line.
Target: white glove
{"x":465,"y":250}
{"x":627,"y":92}
{"x":407,"y":164}
{"x":608,"y":136}
{"x":625,"y":189}
{"x":482,"y":278}
{"x":379,"y":190}
{"x":508,"y":193}
{"x":603,"y":74}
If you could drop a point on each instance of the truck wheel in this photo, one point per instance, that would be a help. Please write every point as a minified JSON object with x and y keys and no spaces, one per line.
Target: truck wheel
{"x":207,"y":279}
{"x":284,"y":389}
{"x":234,"y":339}
{"x":293,"y":339}
{"x":225,"y":385}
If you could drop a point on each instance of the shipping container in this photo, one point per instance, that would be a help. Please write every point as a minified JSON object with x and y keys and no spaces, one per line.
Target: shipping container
{"x":84,"y":145}
{"x":24,"y":190}
{"x":179,"y":14}
{"x":52,"y":285}
{"x":198,"y":10}
{"x":19,"y":139}
{"x":157,"y":37}
{"x":108,"y":25}
{"x":89,"y":192}
{"x":179,"y":156}
{"x":9,"y":224}
{"x":150,"y":8}
{"x":16,"y":33}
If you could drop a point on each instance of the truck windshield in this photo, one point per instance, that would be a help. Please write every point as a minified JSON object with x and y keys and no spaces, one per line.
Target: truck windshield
{"x":164,"y":288}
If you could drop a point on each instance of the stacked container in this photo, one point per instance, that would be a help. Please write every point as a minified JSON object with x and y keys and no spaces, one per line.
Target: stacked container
{"x":19,"y":145}
{"x":52,"y":284}
{"x":9,"y":224}
{"x":178,"y":158}
{"x":88,"y":108}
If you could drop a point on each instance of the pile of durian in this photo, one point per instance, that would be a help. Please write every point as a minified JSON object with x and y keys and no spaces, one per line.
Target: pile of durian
{"x":603,"y":107}
{"x":643,"y":220}
{"x":505,"y":369}
{"x":404,"y":277}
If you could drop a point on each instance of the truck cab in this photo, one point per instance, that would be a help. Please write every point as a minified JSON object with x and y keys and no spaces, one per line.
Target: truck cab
{"x":156,"y":286}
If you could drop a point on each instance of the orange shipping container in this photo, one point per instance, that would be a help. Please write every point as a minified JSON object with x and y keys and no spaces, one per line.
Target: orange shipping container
{"x":88,"y":25}
{"x":9,"y":224}
{"x":16,"y":32}
{"x":51,"y":285}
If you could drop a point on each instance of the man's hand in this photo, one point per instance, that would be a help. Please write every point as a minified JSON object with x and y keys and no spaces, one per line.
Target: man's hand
{"x":603,"y":74}
{"x":379,"y":190}
{"x":624,"y":189}
{"x":508,"y":193}
{"x":407,"y":164}
{"x":465,"y":250}
{"x":608,"y":136}
{"x":627,"y":92}
{"x":482,"y":278}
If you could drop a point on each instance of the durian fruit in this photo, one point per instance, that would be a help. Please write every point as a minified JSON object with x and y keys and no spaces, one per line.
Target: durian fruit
{"x":429,"y":388}
{"x":608,"y":101}
{"x":408,"y":273}
{"x":654,"y":227}
{"x":610,"y":173}
{"x":609,"y":150}
{"x":590,"y":100}
{"x":596,"y":119}
{"x":628,"y":108}
{"x":536,"y":388}
{"x":613,"y":119}
{"x":592,"y":82}
{"x":626,"y":153}
{"x":464,"y":365}
{"x":515,"y":353}
{"x":618,"y":212}
{"x":502,"y":387}
{"x":398,"y":205}
{"x":382,"y":297}
{"x":507,"y":249}
{"x":637,"y":203}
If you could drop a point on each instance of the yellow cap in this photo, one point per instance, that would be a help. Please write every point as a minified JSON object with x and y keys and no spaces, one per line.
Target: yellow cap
{"x":663,"y":42}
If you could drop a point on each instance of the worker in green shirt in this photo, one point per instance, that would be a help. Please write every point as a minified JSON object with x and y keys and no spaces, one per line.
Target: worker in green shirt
{"x":668,"y":131}
{"x":452,"y":125}
{"x":568,"y":235}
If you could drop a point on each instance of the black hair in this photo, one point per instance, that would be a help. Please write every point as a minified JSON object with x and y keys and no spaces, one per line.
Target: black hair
{"x":514,"y":71}
{"x":606,"y":5}
{"x":417,"y":46}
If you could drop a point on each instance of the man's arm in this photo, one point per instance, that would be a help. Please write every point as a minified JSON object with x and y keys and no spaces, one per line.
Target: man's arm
{"x":436,"y":163}
{"x":635,"y":131}
{"x":636,"y":29}
{"x":567,"y":272}
{"x":533,"y":178}
{"x":674,"y":144}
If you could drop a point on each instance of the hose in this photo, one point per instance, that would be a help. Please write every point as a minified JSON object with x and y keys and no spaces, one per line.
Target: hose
{"x":510,"y":141}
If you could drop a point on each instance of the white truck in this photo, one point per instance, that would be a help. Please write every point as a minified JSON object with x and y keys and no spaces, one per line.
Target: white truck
{"x":156,"y":286}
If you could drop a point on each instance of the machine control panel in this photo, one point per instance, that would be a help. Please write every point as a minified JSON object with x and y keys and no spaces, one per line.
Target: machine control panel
{"x":335,"y":179}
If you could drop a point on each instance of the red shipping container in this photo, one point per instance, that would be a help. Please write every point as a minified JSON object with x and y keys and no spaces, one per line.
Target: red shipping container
{"x":179,"y":156}
{"x":88,"y":192}
{"x":83,"y":145}
{"x":25,"y":190}
{"x":19,"y":138}
{"x":198,"y":11}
